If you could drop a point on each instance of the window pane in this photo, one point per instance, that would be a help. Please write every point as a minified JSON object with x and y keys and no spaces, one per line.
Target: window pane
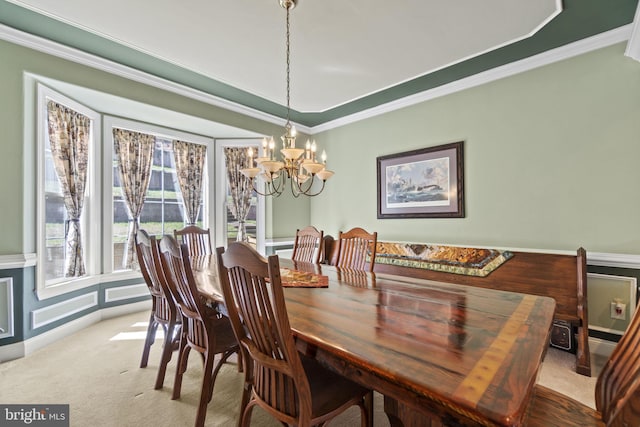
{"x":250,"y":222}
{"x":163,"y":207}
{"x":55,"y":217}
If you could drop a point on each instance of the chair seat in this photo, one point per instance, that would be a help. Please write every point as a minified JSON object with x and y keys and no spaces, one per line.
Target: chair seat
{"x":552,"y":409}
{"x":329,"y":391}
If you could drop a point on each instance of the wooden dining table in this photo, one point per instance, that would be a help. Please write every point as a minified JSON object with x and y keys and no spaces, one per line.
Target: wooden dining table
{"x":441,"y":354}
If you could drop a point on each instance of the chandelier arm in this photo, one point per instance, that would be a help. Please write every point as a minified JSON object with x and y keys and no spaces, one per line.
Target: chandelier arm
{"x":308,"y":183}
{"x":279,"y":184}
{"x":295,"y":189}
{"x":309,"y":189}
{"x":271,"y":190}
{"x":255,"y":188}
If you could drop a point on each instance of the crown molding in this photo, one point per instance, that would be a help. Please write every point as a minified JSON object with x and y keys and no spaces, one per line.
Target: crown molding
{"x":633,"y":47}
{"x":589,"y":44}
{"x":75,"y":55}
{"x":580,"y":47}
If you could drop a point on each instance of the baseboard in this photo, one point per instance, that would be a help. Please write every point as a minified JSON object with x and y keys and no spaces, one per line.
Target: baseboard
{"x":24,"y":348}
{"x":601,"y":347}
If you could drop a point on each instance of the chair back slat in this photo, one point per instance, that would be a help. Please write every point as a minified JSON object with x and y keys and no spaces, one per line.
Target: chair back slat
{"x":357,"y":278}
{"x":308,"y":245}
{"x":179,"y":279}
{"x":163,"y":304}
{"x":353,"y":248}
{"x":198,"y":240}
{"x":618,"y":385}
{"x":254,"y":299}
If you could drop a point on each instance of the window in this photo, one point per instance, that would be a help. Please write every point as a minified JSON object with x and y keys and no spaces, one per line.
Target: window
{"x":104,"y":221}
{"x":67,"y":254}
{"x":227,"y":225}
{"x":163,"y":208}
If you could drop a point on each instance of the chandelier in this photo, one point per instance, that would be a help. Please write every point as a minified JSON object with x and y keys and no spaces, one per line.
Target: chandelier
{"x":299,"y":166}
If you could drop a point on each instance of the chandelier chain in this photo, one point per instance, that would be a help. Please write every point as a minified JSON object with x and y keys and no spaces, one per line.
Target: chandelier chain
{"x":299,"y":166}
{"x":288,"y":68}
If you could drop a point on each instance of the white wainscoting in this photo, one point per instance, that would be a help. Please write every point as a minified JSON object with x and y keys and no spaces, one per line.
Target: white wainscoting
{"x":6,"y":307}
{"x":44,"y":316}
{"x":126,"y":292}
{"x":21,"y":349}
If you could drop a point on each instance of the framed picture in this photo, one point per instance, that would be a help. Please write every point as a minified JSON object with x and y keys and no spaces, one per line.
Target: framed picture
{"x":425,"y":183}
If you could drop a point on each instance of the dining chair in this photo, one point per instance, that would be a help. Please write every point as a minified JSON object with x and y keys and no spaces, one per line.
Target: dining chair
{"x":353,"y":248}
{"x":617,"y":392}
{"x":198,"y":240}
{"x":204,"y":329}
{"x":308,"y":245}
{"x":357,"y":278}
{"x":164,"y":311}
{"x":294,"y":389}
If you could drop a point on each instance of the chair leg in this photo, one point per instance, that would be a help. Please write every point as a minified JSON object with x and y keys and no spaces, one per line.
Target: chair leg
{"x":214,"y":374}
{"x":167,"y":351}
{"x":246,"y":386}
{"x":366,"y":410}
{"x":183,"y":356}
{"x":246,"y":394}
{"x":207,"y":388}
{"x":240,"y":367}
{"x":246,"y":415}
{"x":149,"y":340}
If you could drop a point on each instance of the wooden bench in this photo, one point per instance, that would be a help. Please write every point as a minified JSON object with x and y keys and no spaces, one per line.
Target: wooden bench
{"x":552,"y":409}
{"x":617,"y":392}
{"x":559,"y":276}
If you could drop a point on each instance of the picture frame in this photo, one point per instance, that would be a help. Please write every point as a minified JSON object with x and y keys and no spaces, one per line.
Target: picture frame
{"x":424,"y":183}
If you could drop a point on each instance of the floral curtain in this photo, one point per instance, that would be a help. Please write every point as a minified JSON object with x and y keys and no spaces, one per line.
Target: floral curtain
{"x":69,"y":133}
{"x":134,"y":154}
{"x":189,"y":170}
{"x":236,"y":158}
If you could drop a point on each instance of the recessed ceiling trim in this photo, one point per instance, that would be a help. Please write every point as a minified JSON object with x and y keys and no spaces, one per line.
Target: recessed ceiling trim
{"x":75,"y":55}
{"x":579,"y":19}
{"x":131,"y":26}
{"x":558,"y":11}
{"x":633,"y":47}
{"x":580,"y":47}
{"x":605,"y":39}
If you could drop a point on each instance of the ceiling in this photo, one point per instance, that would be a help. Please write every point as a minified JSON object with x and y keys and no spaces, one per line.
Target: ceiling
{"x":346,"y":56}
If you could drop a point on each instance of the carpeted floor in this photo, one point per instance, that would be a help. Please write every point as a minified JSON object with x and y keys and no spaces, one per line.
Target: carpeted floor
{"x":97,"y":372}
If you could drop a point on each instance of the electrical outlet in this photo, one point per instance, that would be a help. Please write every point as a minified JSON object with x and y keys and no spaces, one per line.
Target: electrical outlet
{"x":618,"y":311}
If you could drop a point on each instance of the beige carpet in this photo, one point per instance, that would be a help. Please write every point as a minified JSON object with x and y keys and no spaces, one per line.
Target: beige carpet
{"x":97,"y":372}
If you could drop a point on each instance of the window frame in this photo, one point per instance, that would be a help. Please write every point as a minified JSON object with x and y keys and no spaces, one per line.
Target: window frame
{"x":109,"y":122}
{"x":221,"y":193}
{"x":90,"y":225}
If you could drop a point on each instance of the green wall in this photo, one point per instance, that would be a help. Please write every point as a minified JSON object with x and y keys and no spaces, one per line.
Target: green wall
{"x":550,"y":155}
{"x":551,"y":160}
{"x":18,"y":130}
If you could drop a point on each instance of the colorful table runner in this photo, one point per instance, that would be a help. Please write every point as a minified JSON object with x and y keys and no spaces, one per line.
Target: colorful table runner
{"x":302,"y":279}
{"x":449,"y":259}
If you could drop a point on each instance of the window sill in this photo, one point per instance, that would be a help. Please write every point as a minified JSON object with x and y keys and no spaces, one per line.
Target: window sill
{"x":75,"y":285}
{"x":45,"y":292}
